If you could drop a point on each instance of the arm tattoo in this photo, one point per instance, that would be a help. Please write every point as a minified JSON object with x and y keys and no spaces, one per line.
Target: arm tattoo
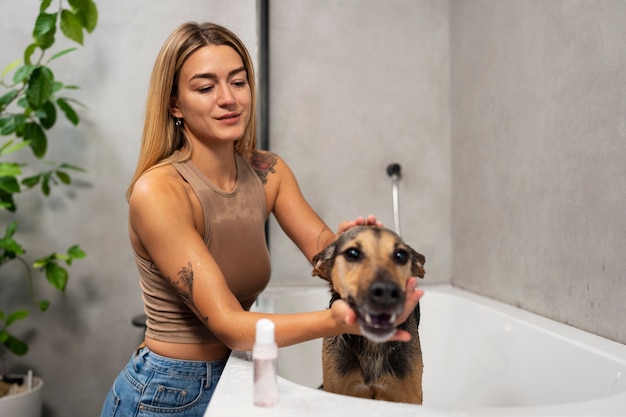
{"x":184,"y":288}
{"x":263,"y":163}
{"x":319,"y":237}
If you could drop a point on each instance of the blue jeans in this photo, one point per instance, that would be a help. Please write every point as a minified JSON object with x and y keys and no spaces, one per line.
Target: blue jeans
{"x":153,"y":385}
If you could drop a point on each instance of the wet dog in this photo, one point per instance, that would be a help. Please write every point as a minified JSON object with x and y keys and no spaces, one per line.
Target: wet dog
{"x":367,"y":266}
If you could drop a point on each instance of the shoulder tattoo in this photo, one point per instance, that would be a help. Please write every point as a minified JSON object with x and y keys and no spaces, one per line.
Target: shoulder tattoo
{"x":184,"y":288}
{"x":263,"y":163}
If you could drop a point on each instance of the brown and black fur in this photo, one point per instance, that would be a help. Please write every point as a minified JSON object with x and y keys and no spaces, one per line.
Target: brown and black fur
{"x":368,"y":266}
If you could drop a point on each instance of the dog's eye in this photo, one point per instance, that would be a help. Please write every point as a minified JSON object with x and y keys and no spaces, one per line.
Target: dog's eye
{"x":401,"y":256}
{"x":352,"y":254}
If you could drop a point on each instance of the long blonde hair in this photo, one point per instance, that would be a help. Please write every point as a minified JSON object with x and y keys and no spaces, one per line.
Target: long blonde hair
{"x":161,"y":137}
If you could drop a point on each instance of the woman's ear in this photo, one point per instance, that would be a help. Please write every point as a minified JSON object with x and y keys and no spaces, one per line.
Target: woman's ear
{"x":173,"y":108}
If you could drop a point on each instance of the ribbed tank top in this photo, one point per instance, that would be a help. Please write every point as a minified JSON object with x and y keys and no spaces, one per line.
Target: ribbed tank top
{"x":234,"y":232}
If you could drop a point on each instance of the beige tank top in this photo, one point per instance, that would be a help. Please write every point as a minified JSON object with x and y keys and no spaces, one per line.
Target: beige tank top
{"x":234,"y":232}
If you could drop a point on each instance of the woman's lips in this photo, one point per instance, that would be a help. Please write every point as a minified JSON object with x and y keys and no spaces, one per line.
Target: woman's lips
{"x":230,"y":118}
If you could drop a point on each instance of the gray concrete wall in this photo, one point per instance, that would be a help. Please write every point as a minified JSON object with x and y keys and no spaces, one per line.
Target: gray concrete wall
{"x":86,"y":338}
{"x":356,"y":85}
{"x":539,"y":157}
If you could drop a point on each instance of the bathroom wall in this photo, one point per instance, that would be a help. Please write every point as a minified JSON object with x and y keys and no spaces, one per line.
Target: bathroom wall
{"x":356,"y":85}
{"x":539,"y":157}
{"x":514,"y":164}
{"x":86,"y":337}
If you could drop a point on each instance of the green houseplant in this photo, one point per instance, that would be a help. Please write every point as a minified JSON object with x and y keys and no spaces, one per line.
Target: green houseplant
{"x":31,"y":99}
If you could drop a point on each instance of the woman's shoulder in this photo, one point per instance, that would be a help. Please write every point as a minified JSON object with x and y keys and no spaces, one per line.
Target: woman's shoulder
{"x":266,"y":164}
{"x":163,"y":181}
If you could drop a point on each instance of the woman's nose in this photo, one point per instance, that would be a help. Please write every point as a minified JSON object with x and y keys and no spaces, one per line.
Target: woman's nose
{"x":225,"y":96}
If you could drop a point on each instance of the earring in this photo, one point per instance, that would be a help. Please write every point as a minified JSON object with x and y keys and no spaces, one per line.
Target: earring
{"x":178,"y":122}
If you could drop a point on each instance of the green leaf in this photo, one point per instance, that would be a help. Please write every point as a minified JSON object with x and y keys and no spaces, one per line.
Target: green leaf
{"x":40,"y":87}
{"x":57,"y":86}
{"x":45,"y":184}
{"x":69,"y":111}
{"x":9,"y":169}
{"x":8,"y":97}
{"x":43,"y":305}
{"x":57,"y":276}
{"x":16,"y":346}
{"x":11,"y":67}
{"x":47,"y":115}
{"x":11,"y":229}
{"x":61,"y":53}
{"x":44,"y":5}
{"x":23,"y":103}
{"x":73,"y":167}
{"x":6,"y":202}
{"x":28,"y":52}
{"x":71,"y":26}
{"x":10,"y":147}
{"x":30,"y":182}
{"x":42,"y":262}
{"x":15,"y":316}
{"x":20,"y":124}
{"x":37,"y":139}
{"x":44,"y":25}
{"x":64,"y":177}
{"x":22,"y":73}
{"x":76,"y":252}
{"x":8,"y":244}
{"x":46,"y":41}
{"x":9,"y":185}
{"x":4,"y":120}
{"x":7,"y":126}
{"x":87,"y":12}
{"x":45,"y":28}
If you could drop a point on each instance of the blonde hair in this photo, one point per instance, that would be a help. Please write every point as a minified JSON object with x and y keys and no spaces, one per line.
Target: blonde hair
{"x":161,"y":138}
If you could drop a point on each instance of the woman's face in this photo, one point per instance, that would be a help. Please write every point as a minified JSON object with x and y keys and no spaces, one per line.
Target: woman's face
{"x":214,"y":97}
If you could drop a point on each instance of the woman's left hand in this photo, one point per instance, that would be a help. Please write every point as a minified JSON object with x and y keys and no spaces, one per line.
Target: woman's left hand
{"x":359,"y":221}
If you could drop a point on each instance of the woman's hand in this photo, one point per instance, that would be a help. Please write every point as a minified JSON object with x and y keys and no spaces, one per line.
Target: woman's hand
{"x":346,"y":317}
{"x":359,"y":221}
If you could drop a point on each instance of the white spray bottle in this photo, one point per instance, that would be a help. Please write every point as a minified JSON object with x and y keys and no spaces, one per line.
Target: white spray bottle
{"x":264,"y":358}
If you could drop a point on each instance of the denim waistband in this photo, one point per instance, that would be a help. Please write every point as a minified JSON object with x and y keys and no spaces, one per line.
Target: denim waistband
{"x":176,"y":367}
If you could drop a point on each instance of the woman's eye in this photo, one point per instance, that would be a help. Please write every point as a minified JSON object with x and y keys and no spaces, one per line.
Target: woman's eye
{"x":241,"y":83}
{"x":206,"y":89}
{"x":352,"y":254}
{"x":401,"y":256}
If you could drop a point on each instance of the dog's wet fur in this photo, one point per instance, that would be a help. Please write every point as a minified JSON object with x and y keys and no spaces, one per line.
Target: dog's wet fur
{"x":367,"y":266}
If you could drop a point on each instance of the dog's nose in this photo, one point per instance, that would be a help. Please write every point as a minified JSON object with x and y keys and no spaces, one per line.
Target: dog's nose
{"x":385,"y":293}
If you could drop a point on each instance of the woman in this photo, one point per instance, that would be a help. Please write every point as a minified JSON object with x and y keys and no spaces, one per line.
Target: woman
{"x":198,"y":203}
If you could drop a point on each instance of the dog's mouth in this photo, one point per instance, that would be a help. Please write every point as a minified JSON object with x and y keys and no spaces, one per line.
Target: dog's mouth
{"x":376,"y":326}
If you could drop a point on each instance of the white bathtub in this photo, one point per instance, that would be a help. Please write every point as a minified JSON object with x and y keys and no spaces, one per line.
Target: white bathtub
{"x":481,"y":357}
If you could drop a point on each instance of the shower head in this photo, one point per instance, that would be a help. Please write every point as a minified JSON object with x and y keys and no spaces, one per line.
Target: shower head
{"x":393,"y":170}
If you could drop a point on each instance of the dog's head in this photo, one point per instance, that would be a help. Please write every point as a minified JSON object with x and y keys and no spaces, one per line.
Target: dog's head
{"x":368,"y":266}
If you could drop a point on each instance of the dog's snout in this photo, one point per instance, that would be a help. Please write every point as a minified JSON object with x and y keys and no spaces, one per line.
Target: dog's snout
{"x":385,"y":293}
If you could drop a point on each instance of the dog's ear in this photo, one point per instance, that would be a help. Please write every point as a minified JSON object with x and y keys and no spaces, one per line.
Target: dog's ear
{"x":417,"y":263}
{"x":322,"y":262}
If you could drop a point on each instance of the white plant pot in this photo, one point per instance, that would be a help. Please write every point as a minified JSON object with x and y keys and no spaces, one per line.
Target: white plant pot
{"x":24,"y":404}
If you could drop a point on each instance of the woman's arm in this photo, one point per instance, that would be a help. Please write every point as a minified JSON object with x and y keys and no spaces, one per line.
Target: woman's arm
{"x":311,"y":235}
{"x":163,"y":228}
{"x":294,"y":214}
